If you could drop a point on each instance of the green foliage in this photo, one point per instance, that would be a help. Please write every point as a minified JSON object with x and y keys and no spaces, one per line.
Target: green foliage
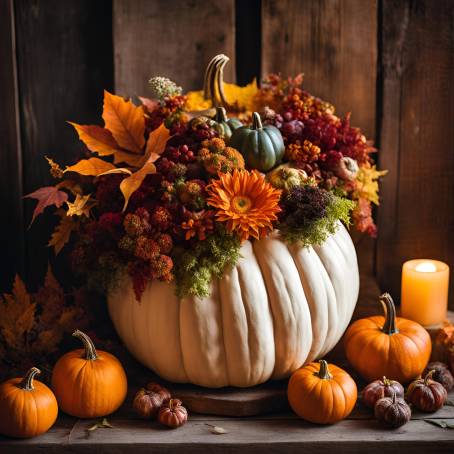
{"x":317,"y":231}
{"x":206,"y":260}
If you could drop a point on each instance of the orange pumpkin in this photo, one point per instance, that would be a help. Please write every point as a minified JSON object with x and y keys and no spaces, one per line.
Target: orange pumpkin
{"x":89,"y":383}
{"x":387,"y":346}
{"x":27,"y":406}
{"x":322,"y":393}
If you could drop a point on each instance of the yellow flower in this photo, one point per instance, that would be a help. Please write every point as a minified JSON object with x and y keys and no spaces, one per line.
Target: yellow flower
{"x":366,"y":183}
{"x":246,"y":202}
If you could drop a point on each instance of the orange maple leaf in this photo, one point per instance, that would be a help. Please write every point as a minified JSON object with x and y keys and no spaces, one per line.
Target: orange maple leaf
{"x":97,"y":139}
{"x":47,"y":196}
{"x":62,"y":232}
{"x":90,"y":167}
{"x":130,"y":184}
{"x":125,"y":121}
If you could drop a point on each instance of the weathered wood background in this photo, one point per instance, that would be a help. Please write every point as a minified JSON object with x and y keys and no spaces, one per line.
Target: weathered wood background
{"x":389,"y":62}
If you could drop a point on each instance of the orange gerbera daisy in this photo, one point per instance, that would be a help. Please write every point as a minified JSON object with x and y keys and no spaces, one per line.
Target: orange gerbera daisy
{"x":245,"y":201}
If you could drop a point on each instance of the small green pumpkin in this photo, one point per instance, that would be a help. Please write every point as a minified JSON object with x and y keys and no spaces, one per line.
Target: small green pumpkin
{"x":224,"y":126}
{"x":261,"y":146}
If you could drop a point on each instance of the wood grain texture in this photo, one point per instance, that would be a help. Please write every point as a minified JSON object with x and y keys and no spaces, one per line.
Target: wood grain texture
{"x":171,"y":38}
{"x":334,"y":43}
{"x":12,"y":232}
{"x":416,"y":217}
{"x":64,"y":52}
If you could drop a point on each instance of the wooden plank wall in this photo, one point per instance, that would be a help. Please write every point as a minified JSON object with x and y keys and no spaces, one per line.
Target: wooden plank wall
{"x":388,"y":62}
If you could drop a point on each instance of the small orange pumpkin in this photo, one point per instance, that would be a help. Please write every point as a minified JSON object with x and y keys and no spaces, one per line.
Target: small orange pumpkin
{"x":387,"y":346}
{"x":322,"y":393}
{"x":27,"y":406}
{"x":89,"y":383}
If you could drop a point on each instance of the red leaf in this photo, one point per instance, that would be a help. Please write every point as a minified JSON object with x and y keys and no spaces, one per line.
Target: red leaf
{"x":47,"y":196}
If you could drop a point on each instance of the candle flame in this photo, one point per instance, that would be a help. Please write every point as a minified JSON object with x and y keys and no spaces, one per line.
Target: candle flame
{"x":426,"y":267}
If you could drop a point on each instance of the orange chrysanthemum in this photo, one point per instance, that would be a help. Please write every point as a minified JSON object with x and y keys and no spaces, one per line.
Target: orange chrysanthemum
{"x":245,"y":201}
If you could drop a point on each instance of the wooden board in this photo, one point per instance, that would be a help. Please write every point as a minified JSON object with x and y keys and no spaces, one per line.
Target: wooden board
{"x":175,"y":39}
{"x":277,"y":433}
{"x":334,"y":43}
{"x":64,"y":54}
{"x":10,"y":153}
{"x":416,"y":217}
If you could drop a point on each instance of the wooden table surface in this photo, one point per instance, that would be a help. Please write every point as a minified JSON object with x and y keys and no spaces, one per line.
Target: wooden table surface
{"x":273,"y":433}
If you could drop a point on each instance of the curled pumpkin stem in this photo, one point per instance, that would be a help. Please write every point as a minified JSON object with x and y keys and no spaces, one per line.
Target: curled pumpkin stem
{"x":213,"y":85}
{"x":90,"y":350}
{"x":390,"y":314}
{"x":27,"y":381}
{"x":429,"y":376}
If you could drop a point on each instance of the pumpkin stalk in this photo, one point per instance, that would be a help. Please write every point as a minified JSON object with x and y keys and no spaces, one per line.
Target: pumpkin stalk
{"x":221,"y":115}
{"x":390,"y":314}
{"x":323,"y":372}
{"x":27,"y":381}
{"x":256,"y":121}
{"x":429,"y":376}
{"x":90,"y":350}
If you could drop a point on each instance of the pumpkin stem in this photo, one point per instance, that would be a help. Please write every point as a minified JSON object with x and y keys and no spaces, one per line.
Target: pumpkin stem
{"x":27,"y":381}
{"x":429,"y":376}
{"x":256,"y":121}
{"x":386,"y":381}
{"x":323,"y":372}
{"x":390,"y":314}
{"x":213,"y":84}
{"x":90,"y":350}
{"x":221,"y":115}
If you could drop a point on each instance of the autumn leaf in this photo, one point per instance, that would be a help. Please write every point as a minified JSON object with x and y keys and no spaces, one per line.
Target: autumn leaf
{"x":47,"y":196}
{"x":130,"y":184}
{"x":90,"y":167}
{"x":156,"y":142}
{"x":149,"y":104}
{"x":125,"y":121}
{"x":51,"y":298}
{"x":62,"y":232}
{"x":134,"y":160}
{"x":17,"y":315}
{"x":81,"y":206}
{"x":97,"y":139}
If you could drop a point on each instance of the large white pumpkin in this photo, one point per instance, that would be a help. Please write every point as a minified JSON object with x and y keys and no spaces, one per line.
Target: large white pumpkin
{"x":280,"y":307}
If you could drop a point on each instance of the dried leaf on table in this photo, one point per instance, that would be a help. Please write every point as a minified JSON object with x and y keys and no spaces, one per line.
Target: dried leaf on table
{"x":217,"y":430}
{"x":103,"y":424}
{"x":125,"y":121}
{"x":47,"y":196}
{"x":444,"y":424}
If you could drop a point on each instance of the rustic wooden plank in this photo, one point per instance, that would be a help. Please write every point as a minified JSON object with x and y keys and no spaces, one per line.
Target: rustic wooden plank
{"x":334,"y":42}
{"x":12,"y":232}
{"x":416,"y":218}
{"x":174,"y":38}
{"x":64,"y":52}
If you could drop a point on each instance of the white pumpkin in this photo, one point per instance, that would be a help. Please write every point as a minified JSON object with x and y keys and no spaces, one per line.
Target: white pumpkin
{"x":280,"y":307}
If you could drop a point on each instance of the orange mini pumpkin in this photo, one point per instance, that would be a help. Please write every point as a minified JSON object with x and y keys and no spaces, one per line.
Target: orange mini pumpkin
{"x":387,"y":346}
{"x":27,"y":406}
{"x":322,"y":393}
{"x":89,"y":383}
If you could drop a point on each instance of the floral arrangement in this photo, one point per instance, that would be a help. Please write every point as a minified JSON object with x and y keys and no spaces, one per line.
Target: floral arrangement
{"x":163,"y":193}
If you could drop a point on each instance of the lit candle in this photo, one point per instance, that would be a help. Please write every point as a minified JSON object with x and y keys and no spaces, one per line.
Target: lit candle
{"x":424,"y":295}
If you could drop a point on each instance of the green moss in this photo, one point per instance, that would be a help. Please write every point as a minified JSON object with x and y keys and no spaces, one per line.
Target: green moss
{"x":316,"y":232}
{"x":196,"y":267}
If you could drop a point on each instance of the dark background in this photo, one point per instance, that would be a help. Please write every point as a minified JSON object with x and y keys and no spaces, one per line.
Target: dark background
{"x":389,"y":62}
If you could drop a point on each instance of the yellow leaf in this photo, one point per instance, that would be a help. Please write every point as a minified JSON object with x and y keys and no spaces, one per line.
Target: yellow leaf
{"x":367,"y":183}
{"x":90,"y":167}
{"x":81,"y":206}
{"x":116,"y":170}
{"x":243,"y":98}
{"x":96,"y":138}
{"x":125,"y":121}
{"x":196,"y":101}
{"x":129,"y":185}
{"x":156,"y":142}
{"x":62,"y":232}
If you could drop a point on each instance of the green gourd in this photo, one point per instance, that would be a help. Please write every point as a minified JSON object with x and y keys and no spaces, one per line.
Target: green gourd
{"x":261,"y":146}
{"x":224,"y":126}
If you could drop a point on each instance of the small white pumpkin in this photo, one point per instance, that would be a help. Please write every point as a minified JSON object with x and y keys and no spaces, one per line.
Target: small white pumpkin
{"x":280,"y":307}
